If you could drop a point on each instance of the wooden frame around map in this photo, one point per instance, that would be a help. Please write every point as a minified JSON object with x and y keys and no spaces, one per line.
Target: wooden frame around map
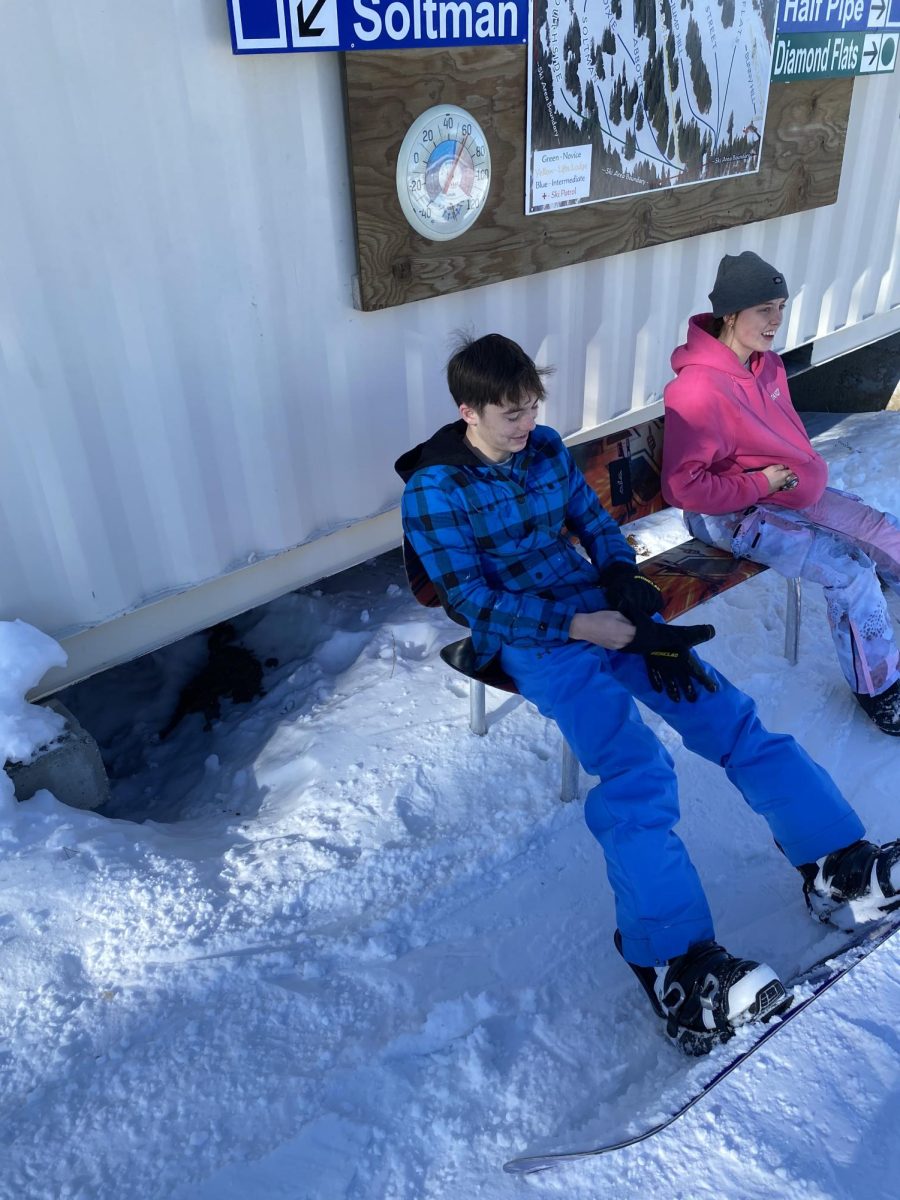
{"x":803,"y":147}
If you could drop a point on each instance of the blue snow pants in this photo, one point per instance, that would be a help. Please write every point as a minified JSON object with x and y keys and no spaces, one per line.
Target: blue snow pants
{"x":589,"y":692}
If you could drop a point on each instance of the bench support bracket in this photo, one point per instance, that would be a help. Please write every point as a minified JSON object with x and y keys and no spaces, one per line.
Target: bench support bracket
{"x":792,"y":622}
{"x":477,"y":719}
{"x":568,"y":789}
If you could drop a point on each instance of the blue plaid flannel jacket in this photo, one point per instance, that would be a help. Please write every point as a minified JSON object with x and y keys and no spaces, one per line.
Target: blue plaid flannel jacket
{"x":491,"y":539}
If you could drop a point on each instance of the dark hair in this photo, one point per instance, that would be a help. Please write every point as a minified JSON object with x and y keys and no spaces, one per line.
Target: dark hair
{"x":715,"y":325}
{"x":492,"y":370}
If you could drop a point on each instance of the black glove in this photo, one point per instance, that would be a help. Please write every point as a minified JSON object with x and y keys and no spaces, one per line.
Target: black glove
{"x":671,"y":666}
{"x":629,"y":591}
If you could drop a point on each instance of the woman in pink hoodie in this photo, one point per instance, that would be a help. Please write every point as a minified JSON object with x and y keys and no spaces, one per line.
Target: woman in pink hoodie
{"x":737,"y":459}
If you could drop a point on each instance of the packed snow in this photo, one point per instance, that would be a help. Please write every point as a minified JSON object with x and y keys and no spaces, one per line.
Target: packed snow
{"x":340,"y":948}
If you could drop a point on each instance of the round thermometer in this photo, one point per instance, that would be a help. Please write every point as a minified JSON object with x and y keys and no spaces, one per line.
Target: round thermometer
{"x":443,"y":172}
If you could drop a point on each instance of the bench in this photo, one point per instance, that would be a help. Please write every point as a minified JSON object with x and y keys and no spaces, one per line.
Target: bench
{"x":624,"y":469}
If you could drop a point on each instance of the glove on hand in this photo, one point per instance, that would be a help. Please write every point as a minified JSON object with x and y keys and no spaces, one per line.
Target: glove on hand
{"x":671,"y":666}
{"x":629,"y":591}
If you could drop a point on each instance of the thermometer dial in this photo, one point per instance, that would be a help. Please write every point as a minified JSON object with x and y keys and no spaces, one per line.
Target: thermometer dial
{"x":443,"y":172}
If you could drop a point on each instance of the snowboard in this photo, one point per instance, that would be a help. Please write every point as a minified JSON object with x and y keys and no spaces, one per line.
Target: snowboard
{"x":813,"y":981}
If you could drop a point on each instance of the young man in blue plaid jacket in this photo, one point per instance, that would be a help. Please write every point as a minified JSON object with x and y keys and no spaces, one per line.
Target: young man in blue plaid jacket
{"x":487,"y":502}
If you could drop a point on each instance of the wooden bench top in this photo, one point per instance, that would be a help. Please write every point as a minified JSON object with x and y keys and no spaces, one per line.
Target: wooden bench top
{"x":624,"y":469}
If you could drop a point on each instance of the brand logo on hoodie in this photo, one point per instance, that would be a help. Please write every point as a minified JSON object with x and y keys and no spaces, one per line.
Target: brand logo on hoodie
{"x":775,"y":394}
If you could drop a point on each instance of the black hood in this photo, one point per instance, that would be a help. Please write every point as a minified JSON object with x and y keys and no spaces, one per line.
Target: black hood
{"x":447,"y":447}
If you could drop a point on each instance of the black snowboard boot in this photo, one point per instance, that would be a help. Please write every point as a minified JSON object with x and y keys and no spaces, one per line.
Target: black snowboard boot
{"x":705,"y":994}
{"x":884,"y":709}
{"x":857,"y":884}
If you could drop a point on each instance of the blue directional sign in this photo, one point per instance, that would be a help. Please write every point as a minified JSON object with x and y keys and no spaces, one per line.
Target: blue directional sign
{"x":834,"y":16}
{"x":291,"y":26}
{"x":830,"y":39}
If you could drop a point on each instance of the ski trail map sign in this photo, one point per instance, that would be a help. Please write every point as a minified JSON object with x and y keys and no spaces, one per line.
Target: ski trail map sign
{"x":626,"y":96}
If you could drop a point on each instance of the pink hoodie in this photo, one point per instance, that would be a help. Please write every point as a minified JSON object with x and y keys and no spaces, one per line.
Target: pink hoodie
{"x":725,"y":420}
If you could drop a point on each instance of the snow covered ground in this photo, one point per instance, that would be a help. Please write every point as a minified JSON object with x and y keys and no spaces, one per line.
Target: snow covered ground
{"x":338,"y":948}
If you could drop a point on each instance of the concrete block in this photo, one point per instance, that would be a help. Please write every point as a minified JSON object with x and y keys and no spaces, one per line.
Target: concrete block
{"x":70,"y":767}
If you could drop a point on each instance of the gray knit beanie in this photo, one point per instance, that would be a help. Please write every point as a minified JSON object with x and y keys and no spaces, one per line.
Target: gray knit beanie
{"x":744,"y":280}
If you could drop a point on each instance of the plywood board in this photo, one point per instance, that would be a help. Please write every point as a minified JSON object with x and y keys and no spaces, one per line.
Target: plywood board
{"x":801,"y":167}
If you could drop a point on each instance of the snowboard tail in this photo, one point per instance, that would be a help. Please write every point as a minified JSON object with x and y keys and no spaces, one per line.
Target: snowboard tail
{"x":819,"y":977}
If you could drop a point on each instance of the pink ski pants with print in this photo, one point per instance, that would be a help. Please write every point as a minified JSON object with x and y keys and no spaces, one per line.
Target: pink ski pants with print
{"x":842,"y":544}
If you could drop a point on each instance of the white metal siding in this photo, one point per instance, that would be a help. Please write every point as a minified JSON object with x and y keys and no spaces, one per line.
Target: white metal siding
{"x":186,"y":387}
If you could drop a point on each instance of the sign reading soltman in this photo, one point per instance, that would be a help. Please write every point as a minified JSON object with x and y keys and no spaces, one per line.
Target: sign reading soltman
{"x":626,"y":96}
{"x":291,"y":26}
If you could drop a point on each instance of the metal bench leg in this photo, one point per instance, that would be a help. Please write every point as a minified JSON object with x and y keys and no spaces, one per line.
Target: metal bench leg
{"x":569,"y":785}
{"x":477,"y":721}
{"x":792,"y":622}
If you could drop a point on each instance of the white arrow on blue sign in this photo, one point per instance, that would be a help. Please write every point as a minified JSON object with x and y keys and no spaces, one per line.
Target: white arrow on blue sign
{"x":290,"y":26}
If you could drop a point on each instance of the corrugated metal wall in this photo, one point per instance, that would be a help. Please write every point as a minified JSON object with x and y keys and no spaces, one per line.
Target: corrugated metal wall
{"x":186,"y":387}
